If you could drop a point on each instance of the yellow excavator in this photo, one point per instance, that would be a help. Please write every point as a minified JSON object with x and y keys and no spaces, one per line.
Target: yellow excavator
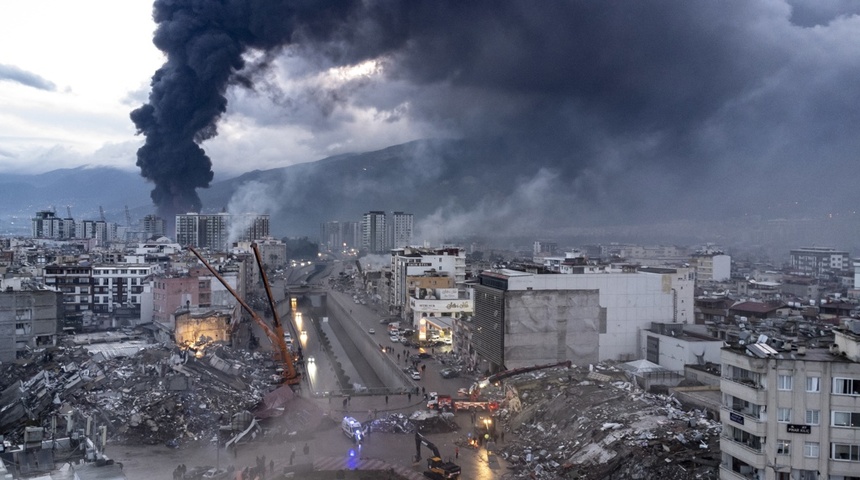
{"x":437,"y":469}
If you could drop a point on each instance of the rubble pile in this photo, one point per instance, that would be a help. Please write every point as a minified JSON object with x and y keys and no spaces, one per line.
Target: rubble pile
{"x":596,"y":424}
{"x":159,"y":395}
{"x":393,"y":423}
{"x":425,"y":421}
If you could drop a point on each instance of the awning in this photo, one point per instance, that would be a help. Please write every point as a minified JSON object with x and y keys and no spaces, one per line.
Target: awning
{"x":439,"y":322}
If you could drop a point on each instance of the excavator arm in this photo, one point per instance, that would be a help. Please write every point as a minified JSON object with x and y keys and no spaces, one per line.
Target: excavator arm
{"x":276,"y":335}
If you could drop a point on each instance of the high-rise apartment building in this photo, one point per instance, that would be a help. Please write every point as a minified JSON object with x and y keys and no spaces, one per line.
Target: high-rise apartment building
{"x":373,"y":232}
{"x":338,"y":235}
{"x":46,"y":224}
{"x":153,"y":226}
{"x":217,"y":231}
{"x":401,"y":229}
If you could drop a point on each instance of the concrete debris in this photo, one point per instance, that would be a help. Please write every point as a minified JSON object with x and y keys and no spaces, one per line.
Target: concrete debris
{"x":592,"y":423}
{"x":425,"y":421}
{"x":157,"y":395}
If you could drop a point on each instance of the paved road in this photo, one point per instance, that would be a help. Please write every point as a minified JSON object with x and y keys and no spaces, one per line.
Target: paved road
{"x":329,"y":448}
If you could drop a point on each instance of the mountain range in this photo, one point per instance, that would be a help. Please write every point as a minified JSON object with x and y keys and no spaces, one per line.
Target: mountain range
{"x":415,"y":177}
{"x":455,"y":189}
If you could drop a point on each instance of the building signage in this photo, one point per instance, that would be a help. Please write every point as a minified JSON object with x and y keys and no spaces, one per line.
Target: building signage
{"x":736,"y":417}
{"x":440,"y":306}
{"x":793,"y":428}
{"x":447,"y":293}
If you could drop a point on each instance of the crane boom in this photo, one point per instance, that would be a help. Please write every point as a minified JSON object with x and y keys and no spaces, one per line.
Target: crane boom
{"x":283,"y":354}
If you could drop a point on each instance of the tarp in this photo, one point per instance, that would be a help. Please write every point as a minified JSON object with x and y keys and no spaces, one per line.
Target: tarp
{"x":275,"y":402}
{"x":641,"y":366}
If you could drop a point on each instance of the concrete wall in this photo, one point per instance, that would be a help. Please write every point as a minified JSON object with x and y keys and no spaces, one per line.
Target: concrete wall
{"x":675,"y":352}
{"x":548,"y":326}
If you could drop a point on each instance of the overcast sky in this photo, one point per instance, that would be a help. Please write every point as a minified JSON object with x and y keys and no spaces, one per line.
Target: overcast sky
{"x":602,"y":95}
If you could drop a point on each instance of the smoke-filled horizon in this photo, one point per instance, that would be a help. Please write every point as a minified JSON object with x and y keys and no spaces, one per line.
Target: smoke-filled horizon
{"x":619,"y":110}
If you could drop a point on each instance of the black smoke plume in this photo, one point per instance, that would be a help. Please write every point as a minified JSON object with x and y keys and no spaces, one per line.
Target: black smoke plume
{"x":204,"y":42}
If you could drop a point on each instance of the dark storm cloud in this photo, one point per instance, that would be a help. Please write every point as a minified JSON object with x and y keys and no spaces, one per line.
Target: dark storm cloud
{"x":619,"y":111}
{"x":809,"y":13}
{"x":15,"y":74}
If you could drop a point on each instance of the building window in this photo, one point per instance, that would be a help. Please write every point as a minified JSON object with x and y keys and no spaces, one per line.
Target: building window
{"x":810,"y":449}
{"x":783,"y":415}
{"x":813,"y":417}
{"x":784,"y":382}
{"x":846,"y":386}
{"x":813,"y":384}
{"x":846,"y":419}
{"x":783,"y":447}
{"x":847,"y":453}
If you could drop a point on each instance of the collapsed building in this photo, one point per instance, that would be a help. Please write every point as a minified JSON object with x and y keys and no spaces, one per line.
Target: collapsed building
{"x":158,"y":395}
{"x":595,"y":423}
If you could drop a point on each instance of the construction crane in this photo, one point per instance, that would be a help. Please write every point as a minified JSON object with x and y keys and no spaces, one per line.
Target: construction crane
{"x":276,"y":332}
{"x":437,"y":468}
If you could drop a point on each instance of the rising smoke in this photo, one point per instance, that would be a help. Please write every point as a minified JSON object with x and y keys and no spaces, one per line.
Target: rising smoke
{"x":204,"y":43}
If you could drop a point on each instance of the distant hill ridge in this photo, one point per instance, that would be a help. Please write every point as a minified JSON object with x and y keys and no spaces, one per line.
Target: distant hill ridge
{"x":411,"y":177}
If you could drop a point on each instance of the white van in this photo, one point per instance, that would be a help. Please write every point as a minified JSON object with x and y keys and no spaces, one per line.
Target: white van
{"x":352,"y":428}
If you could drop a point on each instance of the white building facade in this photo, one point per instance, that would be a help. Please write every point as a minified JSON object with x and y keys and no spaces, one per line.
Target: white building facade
{"x":413,"y":261}
{"x":523,"y":319}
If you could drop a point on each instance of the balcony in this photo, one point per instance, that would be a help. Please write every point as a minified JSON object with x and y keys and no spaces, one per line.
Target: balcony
{"x":744,"y":389}
{"x":746,"y":421}
{"x":742,"y":451}
{"x":726,"y":472}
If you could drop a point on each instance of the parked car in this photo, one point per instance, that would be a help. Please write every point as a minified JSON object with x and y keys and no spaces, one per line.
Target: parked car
{"x":394,"y":338}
